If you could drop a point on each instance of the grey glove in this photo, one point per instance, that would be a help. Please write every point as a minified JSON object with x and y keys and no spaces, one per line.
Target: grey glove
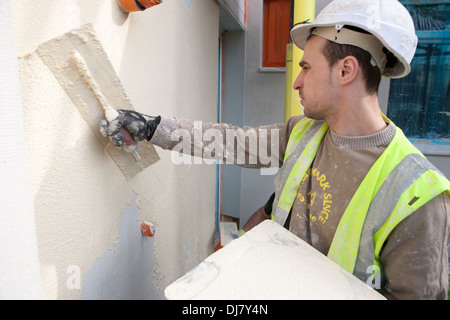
{"x":141,"y":126}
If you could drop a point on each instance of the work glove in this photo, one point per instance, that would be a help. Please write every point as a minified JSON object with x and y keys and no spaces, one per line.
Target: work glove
{"x":141,"y":126}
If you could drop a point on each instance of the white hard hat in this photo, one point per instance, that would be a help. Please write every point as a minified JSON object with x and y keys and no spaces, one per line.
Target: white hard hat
{"x":387,"y":20}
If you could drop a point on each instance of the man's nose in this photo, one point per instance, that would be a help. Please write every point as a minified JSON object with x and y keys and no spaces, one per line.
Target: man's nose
{"x":298,"y":83}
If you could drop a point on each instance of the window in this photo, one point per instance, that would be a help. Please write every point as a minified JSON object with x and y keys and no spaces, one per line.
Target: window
{"x":420,"y":103}
{"x":277,"y":15}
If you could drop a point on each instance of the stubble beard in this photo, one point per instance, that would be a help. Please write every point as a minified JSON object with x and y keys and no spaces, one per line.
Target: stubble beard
{"x":320,"y":110}
{"x":317,"y":111}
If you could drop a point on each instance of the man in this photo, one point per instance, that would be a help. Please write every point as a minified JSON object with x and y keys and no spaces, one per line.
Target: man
{"x":350,"y":184}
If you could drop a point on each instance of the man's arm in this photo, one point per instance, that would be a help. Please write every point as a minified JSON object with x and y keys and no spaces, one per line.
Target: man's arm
{"x":260,"y":147}
{"x":415,"y":257}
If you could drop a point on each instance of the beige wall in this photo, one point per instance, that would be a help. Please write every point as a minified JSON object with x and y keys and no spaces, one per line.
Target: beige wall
{"x":87,"y":213}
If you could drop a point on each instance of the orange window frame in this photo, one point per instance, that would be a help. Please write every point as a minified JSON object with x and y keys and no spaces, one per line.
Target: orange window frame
{"x":276,"y":33}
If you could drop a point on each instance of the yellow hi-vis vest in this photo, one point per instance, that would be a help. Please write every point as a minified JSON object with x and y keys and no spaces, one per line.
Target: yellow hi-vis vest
{"x":399,"y":182}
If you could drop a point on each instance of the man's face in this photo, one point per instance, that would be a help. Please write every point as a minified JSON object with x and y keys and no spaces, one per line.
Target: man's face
{"x":317,"y":88}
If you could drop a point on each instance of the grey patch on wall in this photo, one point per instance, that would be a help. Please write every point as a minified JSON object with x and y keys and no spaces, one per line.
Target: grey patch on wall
{"x":187,"y":3}
{"x":126,"y":271}
{"x":186,"y":248}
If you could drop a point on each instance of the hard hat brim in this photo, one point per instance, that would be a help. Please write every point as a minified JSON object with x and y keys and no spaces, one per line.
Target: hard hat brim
{"x":301,"y":33}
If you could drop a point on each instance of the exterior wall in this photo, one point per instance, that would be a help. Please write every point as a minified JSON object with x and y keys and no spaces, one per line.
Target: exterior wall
{"x":87,"y":214}
{"x":263,"y":104}
{"x":233,"y":85}
{"x":19,"y":264}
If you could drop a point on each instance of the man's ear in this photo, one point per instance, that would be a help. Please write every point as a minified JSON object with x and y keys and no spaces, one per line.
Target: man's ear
{"x":348,"y":69}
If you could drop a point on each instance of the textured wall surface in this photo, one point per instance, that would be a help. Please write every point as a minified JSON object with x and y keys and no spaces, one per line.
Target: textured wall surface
{"x":87,"y":214}
{"x":19,"y":265}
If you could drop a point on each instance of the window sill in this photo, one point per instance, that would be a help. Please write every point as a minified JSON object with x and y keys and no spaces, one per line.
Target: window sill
{"x":271,"y":70}
{"x":433,"y":147}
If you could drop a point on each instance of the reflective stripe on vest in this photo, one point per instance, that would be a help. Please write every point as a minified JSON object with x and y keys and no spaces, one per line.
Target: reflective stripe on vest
{"x":300,"y":152}
{"x":404,"y":175}
{"x":400,"y":181}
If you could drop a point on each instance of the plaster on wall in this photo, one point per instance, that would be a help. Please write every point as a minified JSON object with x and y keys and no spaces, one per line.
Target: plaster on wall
{"x":166,"y":59}
{"x":77,"y":205}
{"x":126,"y":271}
{"x":19,"y":264}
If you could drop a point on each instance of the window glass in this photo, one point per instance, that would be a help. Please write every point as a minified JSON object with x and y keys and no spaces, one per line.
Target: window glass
{"x":419,"y":103}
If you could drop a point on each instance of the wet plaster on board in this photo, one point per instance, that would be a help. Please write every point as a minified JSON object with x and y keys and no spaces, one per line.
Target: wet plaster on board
{"x":297,"y":271}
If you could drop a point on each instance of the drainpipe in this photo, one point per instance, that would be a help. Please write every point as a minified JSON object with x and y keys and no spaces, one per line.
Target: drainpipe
{"x":137,"y":5}
{"x":303,"y":10}
{"x":20,"y":276}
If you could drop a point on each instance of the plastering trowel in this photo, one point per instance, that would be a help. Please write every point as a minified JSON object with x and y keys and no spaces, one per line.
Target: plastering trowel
{"x":81,"y":66}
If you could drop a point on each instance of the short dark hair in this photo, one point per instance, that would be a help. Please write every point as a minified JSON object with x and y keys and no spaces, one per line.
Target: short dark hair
{"x":335,"y":52}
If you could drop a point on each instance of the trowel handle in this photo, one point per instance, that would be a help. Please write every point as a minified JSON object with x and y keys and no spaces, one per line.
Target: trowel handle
{"x":110,"y":113}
